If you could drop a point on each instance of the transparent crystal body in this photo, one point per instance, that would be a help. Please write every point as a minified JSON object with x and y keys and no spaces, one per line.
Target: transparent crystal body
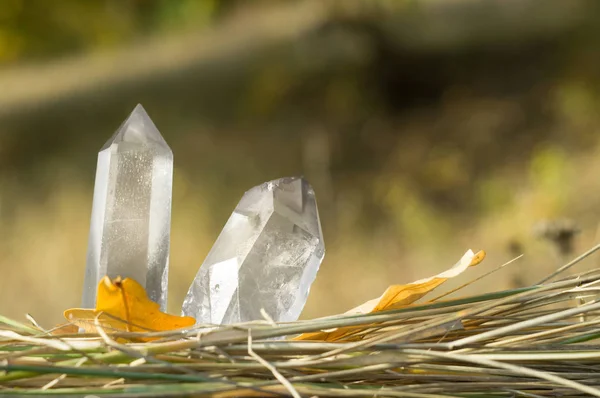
{"x":266,"y":257}
{"x":131,"y":211}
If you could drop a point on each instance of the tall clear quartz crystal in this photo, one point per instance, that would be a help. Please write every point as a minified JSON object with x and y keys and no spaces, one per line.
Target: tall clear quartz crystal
{"x":131,"y":212}
{"x":266,"y":257}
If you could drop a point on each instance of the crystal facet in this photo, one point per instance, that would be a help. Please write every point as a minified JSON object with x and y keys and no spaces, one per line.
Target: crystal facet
{"x":131,"y":212}
{"x":266,"y":257}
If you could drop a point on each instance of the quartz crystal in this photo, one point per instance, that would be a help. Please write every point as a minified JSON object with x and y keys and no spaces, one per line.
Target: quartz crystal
{"x":266,"y":257}
{"x":131,"y":212}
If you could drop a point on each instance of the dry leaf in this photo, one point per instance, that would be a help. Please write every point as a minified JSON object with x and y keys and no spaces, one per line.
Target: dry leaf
{"x":65,"y":329}
{"x":397,"y":296}
{"x":123,"y":305}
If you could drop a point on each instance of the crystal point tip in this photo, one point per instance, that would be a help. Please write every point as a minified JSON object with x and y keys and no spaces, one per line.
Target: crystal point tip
{"x":138,"y":129}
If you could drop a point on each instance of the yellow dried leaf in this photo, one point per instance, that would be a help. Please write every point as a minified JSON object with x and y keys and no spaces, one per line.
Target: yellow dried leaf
{"x":397,"y":296}
{"x":123,"y":305}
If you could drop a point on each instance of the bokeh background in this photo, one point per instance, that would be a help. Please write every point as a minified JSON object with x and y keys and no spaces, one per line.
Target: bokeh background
{"x":427,"y":127}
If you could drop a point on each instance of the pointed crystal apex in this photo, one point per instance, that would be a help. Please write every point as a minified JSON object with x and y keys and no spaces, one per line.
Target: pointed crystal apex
{"x":137,"y":129}
{"x":266,"y":257}
{"x":131,"y":212}
{"x":295,"y":196}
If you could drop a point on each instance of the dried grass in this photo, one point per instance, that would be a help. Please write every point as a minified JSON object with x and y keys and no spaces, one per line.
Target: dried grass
{"x":532,"y":342}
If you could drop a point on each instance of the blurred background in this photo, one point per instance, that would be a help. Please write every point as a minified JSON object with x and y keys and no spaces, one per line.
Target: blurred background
{"x":427,"y":127}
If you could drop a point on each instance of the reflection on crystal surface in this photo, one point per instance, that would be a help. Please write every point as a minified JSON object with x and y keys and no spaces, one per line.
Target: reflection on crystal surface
{"x":131,"y":212}
{"x":267,"y":256}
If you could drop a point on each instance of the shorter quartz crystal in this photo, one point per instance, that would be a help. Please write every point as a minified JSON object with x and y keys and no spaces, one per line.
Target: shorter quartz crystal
{"x":265,"y":258}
